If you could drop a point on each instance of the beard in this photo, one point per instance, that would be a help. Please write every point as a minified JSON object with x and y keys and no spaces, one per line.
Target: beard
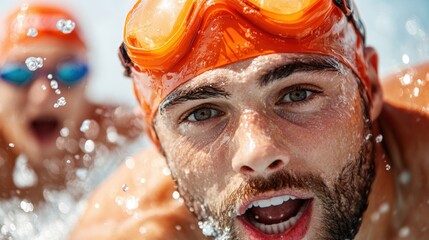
{"x":343,"y":205}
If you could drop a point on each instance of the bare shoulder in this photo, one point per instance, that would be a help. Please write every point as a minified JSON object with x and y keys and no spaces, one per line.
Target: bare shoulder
{"x":405,"y":125}
{"x":137,"y":202}
{"x":408,"y":88}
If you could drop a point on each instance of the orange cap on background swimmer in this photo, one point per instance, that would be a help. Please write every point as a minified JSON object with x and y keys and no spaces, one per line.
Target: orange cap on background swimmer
{"x":35,"y":20}
{"x":168,"y":42}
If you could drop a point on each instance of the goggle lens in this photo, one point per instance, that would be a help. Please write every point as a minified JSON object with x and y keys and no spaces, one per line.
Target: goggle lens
{"x":69,"y":73}
{"x":16,"y":74}
{"x":280,"y":9}
{"x":150,"y":33}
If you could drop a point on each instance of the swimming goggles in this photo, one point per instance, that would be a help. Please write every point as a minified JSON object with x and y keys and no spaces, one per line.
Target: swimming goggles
{"x":69,"y":73}
{"x":168,"y":42}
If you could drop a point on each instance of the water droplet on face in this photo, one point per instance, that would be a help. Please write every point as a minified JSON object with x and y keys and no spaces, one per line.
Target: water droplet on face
{"x":85,"y":125}
{"x":404,"y":232}
{"x":379,"y":138}
{"x":50,"y":76}
{"x":125,"y":187}
{"x":405,"y":177}
{"x":58,"y":91}
{"x":65,"y":26}
{"x":176,"y":195}
{"x":43,"y":87}
{"x":32,"y":32}
{"x":388,"y":167}
{"x":384,"y":208}
{"x":60,"y":102}
{"x":368,"y":137}
{"x":178,"y":227}
{"x":34,"y":63}
{"x":97,"y":205}
{"x":54,"y":84}
{"x":11,"y":145}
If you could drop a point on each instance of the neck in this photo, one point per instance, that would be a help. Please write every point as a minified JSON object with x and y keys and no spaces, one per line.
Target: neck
{"x":386,"y":198}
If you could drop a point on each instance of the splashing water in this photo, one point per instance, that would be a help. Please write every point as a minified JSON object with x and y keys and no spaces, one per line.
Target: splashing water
{"x":379,"y":138}
{"x":34,"y":63}
{"x":23,"y":174}
{"x":60,"y":102}
{"x":211,"y":228}
{"x":65,"y":26}
{"x":32,"y":32}
{"x":54,"y":84}
{"x":85,"y":125}
{"x":125,"y":187}
{"x":388,"y":167}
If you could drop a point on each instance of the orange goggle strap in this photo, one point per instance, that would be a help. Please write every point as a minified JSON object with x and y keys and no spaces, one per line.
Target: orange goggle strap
{"x":225,"y":37}
{"x":41,"y":17}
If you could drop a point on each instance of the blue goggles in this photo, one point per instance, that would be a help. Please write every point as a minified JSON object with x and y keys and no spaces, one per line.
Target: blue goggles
{"x":68,"y":73}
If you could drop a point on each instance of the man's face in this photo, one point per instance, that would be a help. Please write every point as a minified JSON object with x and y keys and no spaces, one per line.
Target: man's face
{"x":270,"y":148}
{"x":29,"y":117}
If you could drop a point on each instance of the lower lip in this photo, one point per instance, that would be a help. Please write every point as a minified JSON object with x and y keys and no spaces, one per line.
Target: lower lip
{"x":297,"y":232}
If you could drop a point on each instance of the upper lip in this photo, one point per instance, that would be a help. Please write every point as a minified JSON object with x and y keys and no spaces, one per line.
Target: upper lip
{"x":275,"y":196}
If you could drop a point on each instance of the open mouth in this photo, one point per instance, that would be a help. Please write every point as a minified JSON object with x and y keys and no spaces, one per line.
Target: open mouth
{"x":282,"y":215}
{"x":45,"y":128}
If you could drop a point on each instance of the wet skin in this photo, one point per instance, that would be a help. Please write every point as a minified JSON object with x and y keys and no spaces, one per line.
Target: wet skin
{"x":30,"y":121}
{"x":396,"y":207}
{"x":21,"y":106}
{"x":252,"y":129}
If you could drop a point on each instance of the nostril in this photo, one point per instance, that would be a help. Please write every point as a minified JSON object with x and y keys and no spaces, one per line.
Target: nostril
{"x":276,"y":164}
{"x":246,"y":169}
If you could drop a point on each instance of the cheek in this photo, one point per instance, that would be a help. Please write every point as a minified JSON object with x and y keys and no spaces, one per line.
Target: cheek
{"x":334,"y":141}
{"x":192,"y":164}
{"x":11,"y":99}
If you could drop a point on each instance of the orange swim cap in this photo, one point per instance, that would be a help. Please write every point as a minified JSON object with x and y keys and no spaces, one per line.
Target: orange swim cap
{"x":169,"y":42}
{"x":31,"y":21}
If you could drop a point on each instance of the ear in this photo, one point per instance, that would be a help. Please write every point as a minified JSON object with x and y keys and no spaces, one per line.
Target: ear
{"x":371,"y":59}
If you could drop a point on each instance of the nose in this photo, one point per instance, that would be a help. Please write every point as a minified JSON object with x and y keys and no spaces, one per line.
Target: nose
{"x":258,"y":153}
{"x":39,"y":92}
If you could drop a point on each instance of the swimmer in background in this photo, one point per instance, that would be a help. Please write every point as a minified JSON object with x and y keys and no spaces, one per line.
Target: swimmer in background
{"x":45,"y":118}
{"x":290,"y":137}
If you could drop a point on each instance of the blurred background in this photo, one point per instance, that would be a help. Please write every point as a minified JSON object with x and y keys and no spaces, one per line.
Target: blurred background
{"x":398,"y":29}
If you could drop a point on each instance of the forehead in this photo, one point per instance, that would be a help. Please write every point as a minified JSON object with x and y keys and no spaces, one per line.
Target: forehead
{"x":255,"y":67}
{"x":44,"y":47}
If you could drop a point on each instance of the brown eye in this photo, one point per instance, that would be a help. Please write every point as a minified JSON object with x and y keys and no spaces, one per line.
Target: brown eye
{"x":202,"y":114}
{"x":297,"y":95}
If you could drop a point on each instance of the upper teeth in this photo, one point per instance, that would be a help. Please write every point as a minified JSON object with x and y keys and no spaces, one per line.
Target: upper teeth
{"x":275,"y":201}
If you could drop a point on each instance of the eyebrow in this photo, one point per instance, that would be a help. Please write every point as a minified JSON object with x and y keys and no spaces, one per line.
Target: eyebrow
{"x":317,"y":64}
{"x":204,"y":92}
